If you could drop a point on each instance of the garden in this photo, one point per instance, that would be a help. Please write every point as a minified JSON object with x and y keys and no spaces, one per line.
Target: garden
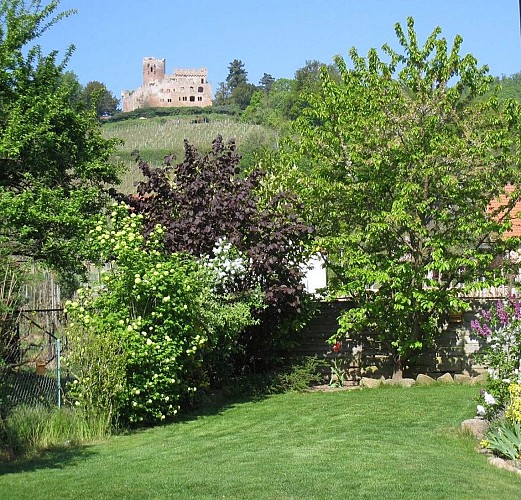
{"x":176,"y":353}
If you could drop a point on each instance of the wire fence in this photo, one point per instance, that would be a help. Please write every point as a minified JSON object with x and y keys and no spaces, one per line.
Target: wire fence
{"x":17,"y":388}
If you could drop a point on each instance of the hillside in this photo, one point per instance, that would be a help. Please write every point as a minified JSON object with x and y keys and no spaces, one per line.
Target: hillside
{"x":155,"y":138}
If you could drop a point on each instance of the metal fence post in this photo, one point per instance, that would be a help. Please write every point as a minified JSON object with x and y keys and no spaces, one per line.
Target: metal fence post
{"x":58,"y":372}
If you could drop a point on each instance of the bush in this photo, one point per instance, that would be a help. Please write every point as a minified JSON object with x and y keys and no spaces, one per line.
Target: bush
{"x":188,"y":111}
{"x":500,"y":326}
{"x":504,"y":439}
{"x":12,"y":278}
{"x":144,"y":339}
{"x":300,"y":376}
{"x":209,"y":196}
{"x":514,"y":408}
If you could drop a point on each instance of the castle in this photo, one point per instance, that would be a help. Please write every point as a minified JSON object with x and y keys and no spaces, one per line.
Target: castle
{"x":185,"y":87}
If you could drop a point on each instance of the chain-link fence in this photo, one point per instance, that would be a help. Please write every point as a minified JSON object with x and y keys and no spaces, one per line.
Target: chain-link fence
{"x":27,"y":388}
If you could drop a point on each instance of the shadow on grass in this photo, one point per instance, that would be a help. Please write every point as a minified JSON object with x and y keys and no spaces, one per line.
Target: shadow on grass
{"x":218,"y":402}
{"x":50,"y":459}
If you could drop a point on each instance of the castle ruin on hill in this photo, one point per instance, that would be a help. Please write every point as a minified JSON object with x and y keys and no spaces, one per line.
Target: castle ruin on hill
{"x":183,"y":88}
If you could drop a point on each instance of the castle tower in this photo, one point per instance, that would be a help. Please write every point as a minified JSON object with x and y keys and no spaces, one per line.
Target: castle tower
{"x":153,"y":70}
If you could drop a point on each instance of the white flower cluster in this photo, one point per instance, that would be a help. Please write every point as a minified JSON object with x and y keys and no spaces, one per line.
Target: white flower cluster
{"x":228,"y":264}
{"x":490,"y":400}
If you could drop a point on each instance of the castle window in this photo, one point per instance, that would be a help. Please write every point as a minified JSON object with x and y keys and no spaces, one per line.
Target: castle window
{"x":191,"y":89}
{"x":202,"y":80}
{"x":200,"y":89}
{"x":169,"y":100}
{"x":192,"y":98}
{"x":184,"y":98}
{"x":199,"y":98}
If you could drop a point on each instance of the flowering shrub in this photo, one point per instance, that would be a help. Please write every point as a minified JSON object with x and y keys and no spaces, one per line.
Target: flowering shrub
{"x":157,"y":313}
{"x":500,"y":326}
{"x":514,"y":408}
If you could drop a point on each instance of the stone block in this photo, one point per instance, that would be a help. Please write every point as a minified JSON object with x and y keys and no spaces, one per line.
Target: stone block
{"x":460,"y":378}
{"x":401,"y":382}
{"x":370,"y":383}
{"x":475,"y":426}
{"x":446,"y":379}
{"x":423,"y":379}
{"x":479,"y":379}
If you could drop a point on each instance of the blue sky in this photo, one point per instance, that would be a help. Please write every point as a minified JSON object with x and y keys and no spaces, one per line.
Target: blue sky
{"x":269,"y":36}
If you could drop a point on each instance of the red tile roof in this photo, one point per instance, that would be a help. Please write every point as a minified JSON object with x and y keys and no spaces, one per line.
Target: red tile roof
{"x":514,"y":217}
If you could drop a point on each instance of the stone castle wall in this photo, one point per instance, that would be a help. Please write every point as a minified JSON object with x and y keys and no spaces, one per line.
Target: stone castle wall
{"x":183,"y":88}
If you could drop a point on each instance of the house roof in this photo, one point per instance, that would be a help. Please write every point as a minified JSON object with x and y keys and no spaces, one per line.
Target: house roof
{"x":515,"y":214}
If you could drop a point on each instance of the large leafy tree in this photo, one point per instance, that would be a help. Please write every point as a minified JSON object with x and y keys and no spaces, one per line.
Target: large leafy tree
{"x":398,"y":164}
{"x":54,"y":161}
{"x":307,"y":82}
{"x":100,"y":98}
{"x":272,"y":107}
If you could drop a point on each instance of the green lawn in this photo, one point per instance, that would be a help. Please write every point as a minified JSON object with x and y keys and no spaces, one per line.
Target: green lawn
{"x":375,"y":444}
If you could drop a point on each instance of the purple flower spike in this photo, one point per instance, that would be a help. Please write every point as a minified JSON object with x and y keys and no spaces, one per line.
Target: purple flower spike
{"x":475,"y":325}
{"x":517,"y":308}
{"x":501,"y":313}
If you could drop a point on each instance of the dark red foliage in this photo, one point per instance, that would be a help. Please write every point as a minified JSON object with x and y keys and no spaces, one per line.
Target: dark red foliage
{"x":206,"y":198}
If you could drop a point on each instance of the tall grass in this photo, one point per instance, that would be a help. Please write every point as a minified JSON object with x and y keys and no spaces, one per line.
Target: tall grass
{"x":28,"y":430}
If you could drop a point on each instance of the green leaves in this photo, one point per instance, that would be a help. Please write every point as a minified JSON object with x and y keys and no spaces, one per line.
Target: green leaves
{"x":158,"y":320}
{"x":397,"y":164}
{"x":54,"y":163}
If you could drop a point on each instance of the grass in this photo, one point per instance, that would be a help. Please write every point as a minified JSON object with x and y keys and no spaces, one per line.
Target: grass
{"x":27,"y":430}
{"x":385,"y":443}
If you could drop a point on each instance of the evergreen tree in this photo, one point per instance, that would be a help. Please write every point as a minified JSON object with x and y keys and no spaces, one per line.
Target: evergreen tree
{"x":237,"y":75}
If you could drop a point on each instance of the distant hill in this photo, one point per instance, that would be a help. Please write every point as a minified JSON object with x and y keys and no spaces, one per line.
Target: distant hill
{"x":158,"y":137}
{"x":510,"y":86}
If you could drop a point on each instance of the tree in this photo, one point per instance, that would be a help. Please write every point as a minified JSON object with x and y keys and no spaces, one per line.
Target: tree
{"x":54,"y":162}
{"x":266,"y":82}
{"x":308,"y":82}
{"x":98,"y":96}
{"x":237,"y":75}
{"x":206,"y":200}
{"x":271,"y":108}
{"x":222,"y":95}
{"x":236,"y":81}
{"x":399,"y":162}
{"x":242,"y":94}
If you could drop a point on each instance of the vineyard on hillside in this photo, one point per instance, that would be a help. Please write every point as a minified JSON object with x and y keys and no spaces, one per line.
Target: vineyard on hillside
{"x":156,"y":138}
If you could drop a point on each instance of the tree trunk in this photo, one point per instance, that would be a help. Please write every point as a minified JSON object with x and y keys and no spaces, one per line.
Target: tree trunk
{"x":397,"y":367}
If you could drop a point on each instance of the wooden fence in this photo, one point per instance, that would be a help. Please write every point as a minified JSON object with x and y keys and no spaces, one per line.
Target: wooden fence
{"x":366,"y":355}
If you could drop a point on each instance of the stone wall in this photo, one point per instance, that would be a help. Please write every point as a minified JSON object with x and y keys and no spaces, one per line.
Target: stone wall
{"x":367,"y":356}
